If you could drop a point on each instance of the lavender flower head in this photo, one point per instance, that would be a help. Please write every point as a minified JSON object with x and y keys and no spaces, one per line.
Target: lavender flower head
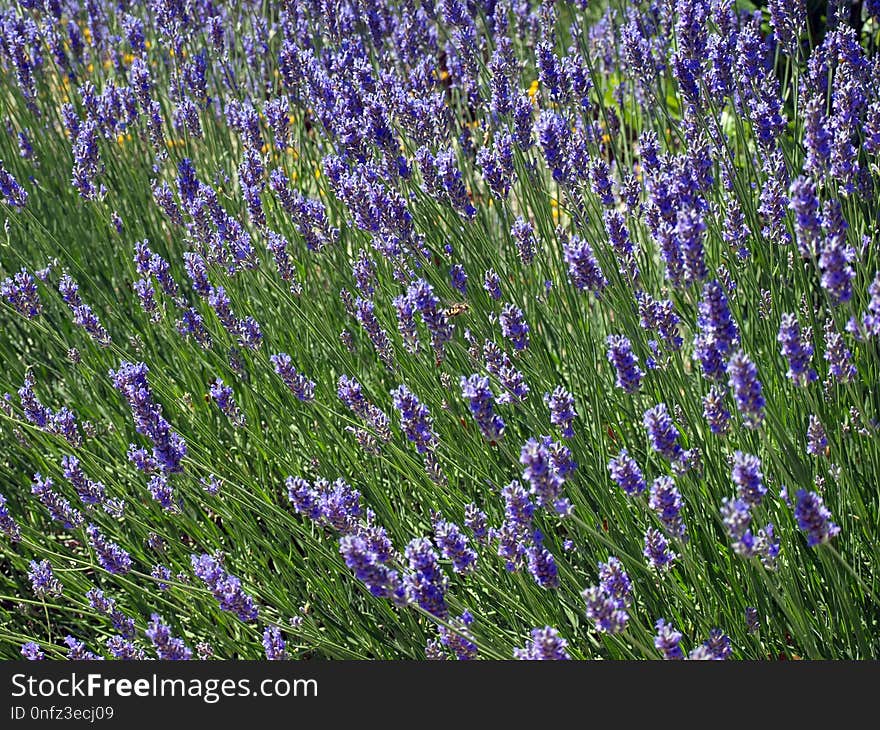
{"x":369,"y":566}
{"x":562,"y":412}
{"x":737,"y":518}
{"x":425,"y":581}
{"x":743,"y":380}
{"x":666,"y":501}
{"x":796,"y":351}
{"x":167,"y":647}
{"x":415,"y":419}
{"x":32,"y":652}
{"x":459,"y":278}
{"x":20,"y":291}
{"x":481,"y":402}
{"x":8,"y":525}
{"x":111,"y":557}
{"x":422,"y":296}
{"x":301,"y":386}
{"x":169,"y":447}
{"x":11,"y":191}
{"x":274,"y":644}
{"x":657,"y":551}
{"x":746,"y":474}
{"x":542,"y":564}
{"x":453,"y":544}
{"x":629,"y":374}
{"x":662,"y":433}
{"x":544,"y":645}
{"x":225,"y":588}
{"x":817,"y":441}
{"x":222,"y":395}
{"x":523,"y":234}
{"x":718,"y":333}
{"x":514,"y":326}
{"x":814,"y":518}
{"x":492,"y":284}
{"x":715,"y":412}
{"x":608,"y":601}
{"x":583,"y":268}
{"x":668,"y":640}
{"x":59,"y":508}
{"x":541,"y":473}
{"x":76,"y":650}
{"x":43,"y":580}
{"x":625,"y":472}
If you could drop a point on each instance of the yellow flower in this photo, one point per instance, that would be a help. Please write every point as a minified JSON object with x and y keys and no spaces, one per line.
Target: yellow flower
{"x":533,"y":89}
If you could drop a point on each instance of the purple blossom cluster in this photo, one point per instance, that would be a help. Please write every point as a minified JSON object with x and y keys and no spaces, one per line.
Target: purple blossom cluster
{"x":222,"y":395}
{"x":620,"y":355}
{"x":300,"y":385}
{"x":609,"y":600}
{"x":60,"y":423}
{"x":476,"y":390}
{"x":224,"y":587}
{"x":335,"y":504}
{"x":415,"y":419}
{"x":668,"y":643}
{"x":82,"y":313}
{"x":666,"y":501}
{"x":167,"y":647}
{"x":546,"y":466}
{"x":111,"y":557}
{"x":20,"y":291}
{"x":814,"y":518}
{"x":43,"y":582}
{"x":543,"y":645}
{"x":625,"y":472}
{"x":562,"y":412}
{"x":512,"y":380}
{"x":736,"y":513}
{"x":662,"y":432}
{"x":8,"y":526}
{"x":169,"y":448}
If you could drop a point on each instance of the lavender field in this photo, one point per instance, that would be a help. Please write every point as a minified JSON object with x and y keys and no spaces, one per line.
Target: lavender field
{"x":439,"y":329}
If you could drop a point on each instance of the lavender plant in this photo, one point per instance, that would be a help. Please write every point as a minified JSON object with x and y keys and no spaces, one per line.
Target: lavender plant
{"x":536,"y":330}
